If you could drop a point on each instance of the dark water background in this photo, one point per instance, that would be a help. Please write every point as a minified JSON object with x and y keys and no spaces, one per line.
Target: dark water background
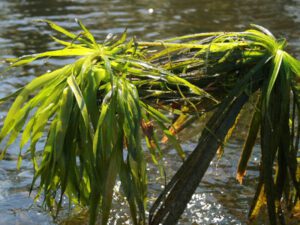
{"x":219,"y":198}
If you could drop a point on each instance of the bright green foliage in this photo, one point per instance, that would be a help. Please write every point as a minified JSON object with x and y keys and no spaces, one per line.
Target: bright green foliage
{"x":91,"y":112}
{"x":96,"y":111}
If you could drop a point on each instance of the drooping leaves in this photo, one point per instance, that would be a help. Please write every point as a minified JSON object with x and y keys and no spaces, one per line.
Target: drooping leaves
{"x":95,"y":111}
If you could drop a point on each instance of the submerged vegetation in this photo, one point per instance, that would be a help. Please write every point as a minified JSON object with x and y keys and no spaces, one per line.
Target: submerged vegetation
{"x":96,"y":111}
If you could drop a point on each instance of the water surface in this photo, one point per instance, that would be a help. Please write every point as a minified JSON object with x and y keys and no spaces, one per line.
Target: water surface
{"x":219,"y":198}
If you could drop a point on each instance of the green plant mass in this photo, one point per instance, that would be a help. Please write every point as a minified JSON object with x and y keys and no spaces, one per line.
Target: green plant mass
{"x":97,"y":111}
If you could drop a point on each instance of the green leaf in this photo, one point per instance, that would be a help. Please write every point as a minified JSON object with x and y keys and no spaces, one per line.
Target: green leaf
{"x":111,"y":175}
{"x":258,"y":202}
{"x":175,"y":143}
{"x":88,"y":34}
{"x":55,"y":53}
{"x":81,"y":104}
{"x":59,"y":29}
{"x":277,"y":64}
{"x":250,"y":142}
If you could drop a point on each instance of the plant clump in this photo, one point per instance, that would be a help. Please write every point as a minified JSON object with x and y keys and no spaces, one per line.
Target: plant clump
{"x":95,"y":112}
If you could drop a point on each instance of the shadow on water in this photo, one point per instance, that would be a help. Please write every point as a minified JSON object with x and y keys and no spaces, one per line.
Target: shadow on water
{"x":219,"y":198}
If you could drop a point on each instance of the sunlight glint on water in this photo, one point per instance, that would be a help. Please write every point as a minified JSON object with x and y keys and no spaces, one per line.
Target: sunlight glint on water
{"x":219,"y":199}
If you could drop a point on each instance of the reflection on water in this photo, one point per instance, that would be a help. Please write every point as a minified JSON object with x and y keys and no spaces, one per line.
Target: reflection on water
{"x":219,"y":199}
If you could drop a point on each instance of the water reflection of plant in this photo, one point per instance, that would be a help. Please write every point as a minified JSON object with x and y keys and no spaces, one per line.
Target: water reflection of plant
{"x":96,"y":111}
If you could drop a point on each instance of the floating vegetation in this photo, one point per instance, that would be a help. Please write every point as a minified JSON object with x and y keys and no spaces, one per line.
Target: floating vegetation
{"x":96,"y":111}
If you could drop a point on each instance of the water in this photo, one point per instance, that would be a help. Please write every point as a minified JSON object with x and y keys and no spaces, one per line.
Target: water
{"x":219,"y":198}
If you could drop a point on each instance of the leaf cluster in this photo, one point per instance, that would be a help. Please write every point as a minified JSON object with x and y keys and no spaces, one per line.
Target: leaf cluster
{"x":96,"y":111}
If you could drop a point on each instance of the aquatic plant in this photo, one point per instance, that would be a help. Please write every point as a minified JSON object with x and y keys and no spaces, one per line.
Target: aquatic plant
{"x":96,"y":111}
